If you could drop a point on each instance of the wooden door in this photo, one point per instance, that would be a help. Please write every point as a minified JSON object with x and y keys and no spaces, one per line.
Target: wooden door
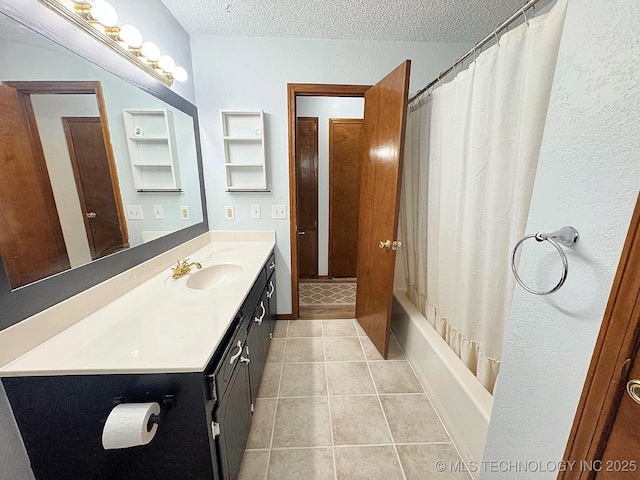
{"x":345,"y":154}
{"x":97,"y":190}
{"x":27,"y":206}
{"x":307,"y":196}
{"x":605,"y":438}
{"x":385,"y":114}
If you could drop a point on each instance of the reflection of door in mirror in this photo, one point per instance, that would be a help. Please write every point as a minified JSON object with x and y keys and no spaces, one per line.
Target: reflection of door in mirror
{"x":97,"y":194}
{"x":78,"y":176}
{"x":27,"y":207}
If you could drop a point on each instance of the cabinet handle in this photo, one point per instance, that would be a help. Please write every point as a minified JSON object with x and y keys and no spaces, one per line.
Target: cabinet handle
{"x":235,"y":357}
{"x":272,"y":266}
{"x":245,"y":360}
{"x":270,"y":292}
{"x":258,"y":320}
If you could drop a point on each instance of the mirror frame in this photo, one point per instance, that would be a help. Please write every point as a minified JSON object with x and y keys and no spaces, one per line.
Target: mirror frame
{"x":23,"y":302}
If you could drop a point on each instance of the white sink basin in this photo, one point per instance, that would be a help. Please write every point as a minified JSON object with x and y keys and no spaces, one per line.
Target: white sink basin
{"x":212,"y":275}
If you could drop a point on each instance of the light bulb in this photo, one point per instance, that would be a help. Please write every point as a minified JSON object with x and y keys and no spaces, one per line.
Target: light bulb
{"x":131,"y":36}
{"x":151,"y":51}
{"x":104,"y":13}
{"x":180,"y":74}
{"x":166,"y":63}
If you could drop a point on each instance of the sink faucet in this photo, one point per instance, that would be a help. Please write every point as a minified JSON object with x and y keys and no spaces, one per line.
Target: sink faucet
{"x":183,"y":267}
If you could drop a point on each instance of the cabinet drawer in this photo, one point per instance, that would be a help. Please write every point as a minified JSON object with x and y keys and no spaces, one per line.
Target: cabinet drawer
{"x":230,"y":359}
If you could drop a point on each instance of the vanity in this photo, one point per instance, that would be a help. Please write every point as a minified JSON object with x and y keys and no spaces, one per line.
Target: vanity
{"x":195,"y":345}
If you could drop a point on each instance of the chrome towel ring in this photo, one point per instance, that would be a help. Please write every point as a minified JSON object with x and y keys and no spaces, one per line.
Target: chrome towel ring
{"x":567,"y":236}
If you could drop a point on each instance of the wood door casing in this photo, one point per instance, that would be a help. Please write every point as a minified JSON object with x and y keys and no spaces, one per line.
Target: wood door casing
{"x":345,"y":154}
{"x":307,"y":196}
{"x":607,"y":421}
{"x":37,"y":219}
{"x":97,"y":190}
{"x":385,"y":113}
{"x":295,"y":90}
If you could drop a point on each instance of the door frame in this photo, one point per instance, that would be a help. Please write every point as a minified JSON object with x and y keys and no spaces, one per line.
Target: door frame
{"x":615,"y":348}
{"x":45,"y":87}
{"x":295,"y":90}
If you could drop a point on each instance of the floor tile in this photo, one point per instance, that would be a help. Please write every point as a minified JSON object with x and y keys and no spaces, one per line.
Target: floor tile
{"x":270,"y":380}
{"x":276,"y":350}
{"x":419,"y":462}
{"x":262,"y":423}
{"x":301,"y":464}
{"x":304,"y":328}
{"x":372,"y":353}
{"x":368,"y":463}
{"x":304,"y":350}
{"x":358,"y":420}
{"x":280,"y":328}
{"x":303,"y":380}
{"x":302,"y":422}
{"x":343,"y":349}
{"x":338,"y":328}
{"x":360,"y":330}
{"x":394,"y":377}
{"x":254,"y":465}
{"x":412,"y":419}
{"x":349,"y":378}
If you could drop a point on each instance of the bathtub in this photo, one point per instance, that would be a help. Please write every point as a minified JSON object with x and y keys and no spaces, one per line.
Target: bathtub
{"x":463,"y":404}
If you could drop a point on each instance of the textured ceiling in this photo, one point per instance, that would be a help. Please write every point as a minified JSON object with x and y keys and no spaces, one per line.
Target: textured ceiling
{"x":381,"y":20}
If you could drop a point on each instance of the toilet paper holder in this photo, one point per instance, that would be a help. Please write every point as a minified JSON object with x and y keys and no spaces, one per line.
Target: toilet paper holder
{"x":167,"y":403}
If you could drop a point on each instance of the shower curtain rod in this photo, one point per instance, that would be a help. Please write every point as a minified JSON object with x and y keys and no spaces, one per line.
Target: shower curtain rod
{"x":494,"y":34}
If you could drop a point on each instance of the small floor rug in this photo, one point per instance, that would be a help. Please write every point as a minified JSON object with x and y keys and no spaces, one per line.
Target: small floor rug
{"x":327,"y":294}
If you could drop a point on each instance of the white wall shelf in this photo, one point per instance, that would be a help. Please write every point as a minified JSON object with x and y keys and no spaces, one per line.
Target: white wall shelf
{"x":244,"y":150}
{"x":152,"y":150}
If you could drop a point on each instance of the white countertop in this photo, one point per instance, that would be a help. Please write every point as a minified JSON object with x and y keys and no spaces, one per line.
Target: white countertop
{"x":160,"y":326}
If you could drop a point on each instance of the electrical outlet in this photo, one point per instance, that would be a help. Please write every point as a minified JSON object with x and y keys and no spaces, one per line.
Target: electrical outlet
{"x":134,"y":212}
{"x":255,"y":211}
{"x":228,"y":212}
{"x":278,"y":211}
{"x":158,"y":212}
{"x":184,"y":212}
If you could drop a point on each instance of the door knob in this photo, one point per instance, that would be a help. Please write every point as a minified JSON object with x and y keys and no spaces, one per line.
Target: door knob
{"x":302,"y":233}
{"x":395,"y":245}
{"x":92,"y":215}
{"x":386,"y":244}
{"x":633,"y":389}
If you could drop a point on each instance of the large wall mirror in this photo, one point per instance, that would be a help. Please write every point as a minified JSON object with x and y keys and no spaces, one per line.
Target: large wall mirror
{"x":96,"y":175}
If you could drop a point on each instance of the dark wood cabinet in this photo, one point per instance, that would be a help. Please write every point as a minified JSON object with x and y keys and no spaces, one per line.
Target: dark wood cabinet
{"x":202,"y":436}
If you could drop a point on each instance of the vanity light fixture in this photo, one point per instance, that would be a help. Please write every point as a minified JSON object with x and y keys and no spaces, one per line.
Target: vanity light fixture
{"x":99,"y":19}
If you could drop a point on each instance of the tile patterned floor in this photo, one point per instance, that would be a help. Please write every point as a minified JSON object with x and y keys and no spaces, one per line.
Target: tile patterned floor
{"x":330,"y":407}
{"x":327,"y":294}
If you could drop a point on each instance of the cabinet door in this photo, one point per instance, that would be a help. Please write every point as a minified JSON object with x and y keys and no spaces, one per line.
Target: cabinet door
{"x":272,"y":310}
{"x":258,"y":343}
{"x":234,"y":418}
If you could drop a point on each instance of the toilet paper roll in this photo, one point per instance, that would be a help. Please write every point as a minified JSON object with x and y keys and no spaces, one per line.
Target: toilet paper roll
{"x":126,"y":425}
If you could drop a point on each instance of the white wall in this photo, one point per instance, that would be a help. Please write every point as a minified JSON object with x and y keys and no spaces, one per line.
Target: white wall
{"x":49,"y":110}
{"x":252,"y":73}
{"x":587,"y":177}
{"x":325,"y":108}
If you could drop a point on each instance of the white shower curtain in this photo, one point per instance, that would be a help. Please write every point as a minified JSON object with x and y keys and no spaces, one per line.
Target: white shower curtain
{"x":470,"y":160}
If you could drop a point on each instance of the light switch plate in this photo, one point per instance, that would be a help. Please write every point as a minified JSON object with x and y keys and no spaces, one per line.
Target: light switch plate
{"x":255,"y":211}
{"x":184,"y":212}
{"x":134,"y":212}
{"x":278,"y":211}
{"x":158,"y":212}
{"x":229,"y":213}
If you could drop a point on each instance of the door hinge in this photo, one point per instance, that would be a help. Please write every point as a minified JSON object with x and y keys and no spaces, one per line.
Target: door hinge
{"x":212,"y":388}
{"x":215,"y":429}
{"x":270,"y":335}
{"x":252,"y":408}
